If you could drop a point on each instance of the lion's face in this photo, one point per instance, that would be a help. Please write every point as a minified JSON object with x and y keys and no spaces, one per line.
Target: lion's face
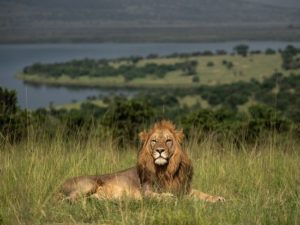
{"x":161,"y":144}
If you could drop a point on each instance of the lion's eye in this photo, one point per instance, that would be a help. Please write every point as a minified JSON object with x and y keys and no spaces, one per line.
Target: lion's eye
{"x":153,"y":142}
{"x":169,"y":142}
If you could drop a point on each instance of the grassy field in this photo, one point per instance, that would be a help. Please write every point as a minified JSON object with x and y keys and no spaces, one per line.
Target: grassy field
{"x":77,"y":105}
{"x":257,"y":66}
{"x":261,"y":183}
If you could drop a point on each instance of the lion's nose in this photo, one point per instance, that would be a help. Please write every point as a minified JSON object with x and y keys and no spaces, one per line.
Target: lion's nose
{"x":160,"y":150}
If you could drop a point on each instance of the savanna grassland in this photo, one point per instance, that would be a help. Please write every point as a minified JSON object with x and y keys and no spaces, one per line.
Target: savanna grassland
{"x":260,"y":181}
{"x":240,"y":115}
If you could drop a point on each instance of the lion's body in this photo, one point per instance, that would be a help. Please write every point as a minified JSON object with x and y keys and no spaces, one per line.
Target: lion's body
{"x":163,"y":169}
{"x":115,"y":185}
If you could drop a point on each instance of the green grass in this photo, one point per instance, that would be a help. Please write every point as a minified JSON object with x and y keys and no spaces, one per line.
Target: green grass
{"x":77,"y":105}
{"x":258,"y":66}
{"x":261,"y":183}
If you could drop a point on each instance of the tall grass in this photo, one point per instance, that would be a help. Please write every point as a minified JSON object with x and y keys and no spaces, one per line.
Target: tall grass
{"x":261,"y":182}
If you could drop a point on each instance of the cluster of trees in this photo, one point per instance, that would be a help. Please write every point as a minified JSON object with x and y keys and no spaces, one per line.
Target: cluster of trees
{"x":127,"y":118}
{"x":124,"y":118}
{"x":129,"y":69}
{"x":290,"y":58}
{"x":241,"y":49}
{"x":277,"y":102}
{"x":13,"y":122}
{"x":282,"y":93}
{"x":229,"y":65}
{"x":239,"y":126}
{"x":229,"y":95}
{"x":278,"y":91}
{"x":102,"y":68}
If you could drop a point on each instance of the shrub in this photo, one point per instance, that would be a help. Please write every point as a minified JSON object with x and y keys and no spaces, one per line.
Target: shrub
{"x":195,"y":79}
{"x":126,"y":118}
{"x":289,"y":58}
{"x":228,"y":64}
{"x":241,"y":49}
{"x":264,"y":118}
{"x":210,"y":64}
{"x":13,"y":121}
{"x":8,"y":102}
{"x":208,"y":120}
{"x":270,"y":51}
{"x":230,"y":123}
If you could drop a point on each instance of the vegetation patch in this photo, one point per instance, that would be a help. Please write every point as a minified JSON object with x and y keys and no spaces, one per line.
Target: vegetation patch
{"x":176,"y":70}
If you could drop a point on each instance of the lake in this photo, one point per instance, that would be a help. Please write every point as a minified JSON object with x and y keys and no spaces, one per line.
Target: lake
{"x":13,"y":57}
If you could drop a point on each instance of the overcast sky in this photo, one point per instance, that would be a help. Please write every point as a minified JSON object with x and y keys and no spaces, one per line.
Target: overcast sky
{"x":288,"y":3}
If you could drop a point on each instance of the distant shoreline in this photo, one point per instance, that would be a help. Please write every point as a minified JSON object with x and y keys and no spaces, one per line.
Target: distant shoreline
{"x":209,"y":70}
{"x":17,"y":56}
{"x":193,"y":34}
{"x":106,"y":85}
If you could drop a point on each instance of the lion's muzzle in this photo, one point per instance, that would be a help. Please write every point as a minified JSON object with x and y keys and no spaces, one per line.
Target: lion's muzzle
{"x":160,"y":156}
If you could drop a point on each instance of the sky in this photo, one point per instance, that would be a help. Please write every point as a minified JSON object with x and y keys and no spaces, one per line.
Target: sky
{"x":288,"y":3}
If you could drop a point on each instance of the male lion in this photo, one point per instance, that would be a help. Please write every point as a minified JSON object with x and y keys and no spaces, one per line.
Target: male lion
{"x":163,"y":169}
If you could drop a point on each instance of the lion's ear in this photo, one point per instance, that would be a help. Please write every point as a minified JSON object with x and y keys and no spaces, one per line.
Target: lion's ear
{"x":179,"y":135}
{"x":143,"y":136}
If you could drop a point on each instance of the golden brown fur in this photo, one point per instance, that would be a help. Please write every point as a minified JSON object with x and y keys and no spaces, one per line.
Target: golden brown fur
{"x":163,"y":169}
{"x":174,"y":177}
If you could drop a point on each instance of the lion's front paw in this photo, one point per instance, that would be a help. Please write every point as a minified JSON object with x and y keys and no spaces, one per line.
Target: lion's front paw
{"x":167,"y":195}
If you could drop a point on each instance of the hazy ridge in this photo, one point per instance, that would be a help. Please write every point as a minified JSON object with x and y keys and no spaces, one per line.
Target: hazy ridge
{"x":55,"y":18}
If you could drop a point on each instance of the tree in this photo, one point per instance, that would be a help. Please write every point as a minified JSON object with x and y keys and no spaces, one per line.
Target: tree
{"x":189,"y":67}
{"x":8,"y":102}
{"x":270,"y":51}
{"x":126,"y":118}
{"x":195,"y":79}
{"x":241,"y":49}
{"x":210,"y":64}
{"x":13,"y":121}
{"x":289,"y":59}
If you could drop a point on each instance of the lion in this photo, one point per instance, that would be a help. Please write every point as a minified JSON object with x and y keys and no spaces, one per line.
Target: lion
{"x":163,"y":170}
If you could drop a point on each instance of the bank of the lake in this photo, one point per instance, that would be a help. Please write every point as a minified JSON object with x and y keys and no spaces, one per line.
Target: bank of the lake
{"x":186,"y":71}
{"x":14,"y":57}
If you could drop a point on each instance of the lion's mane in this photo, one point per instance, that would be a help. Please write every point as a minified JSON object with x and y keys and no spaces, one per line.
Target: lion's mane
{"x":176,"y":176}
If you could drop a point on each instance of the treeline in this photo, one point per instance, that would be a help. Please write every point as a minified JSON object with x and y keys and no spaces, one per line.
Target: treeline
{"x":129,"y":69}
{"x":277,"y":91}
{"x":103,"y":68}
{"x":274,"y":102}
{"x":276,"y":109}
